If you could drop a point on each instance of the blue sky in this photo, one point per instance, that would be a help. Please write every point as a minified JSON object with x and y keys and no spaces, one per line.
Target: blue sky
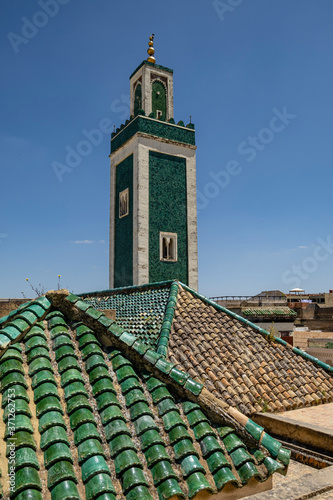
{"x":257,"y":78}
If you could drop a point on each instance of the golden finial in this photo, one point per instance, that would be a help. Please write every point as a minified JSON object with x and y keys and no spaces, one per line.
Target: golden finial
{"x":151,"y":50}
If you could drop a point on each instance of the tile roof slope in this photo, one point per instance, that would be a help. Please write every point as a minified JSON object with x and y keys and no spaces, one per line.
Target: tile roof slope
{"x":240,"y":363}
{"x":113,"y":421}
{"x":140,"y":310}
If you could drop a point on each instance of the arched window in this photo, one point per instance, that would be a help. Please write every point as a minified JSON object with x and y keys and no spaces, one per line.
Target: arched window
{"x":168,"y":247}
{"x":137,"y":98}
{"x":158,"y":99}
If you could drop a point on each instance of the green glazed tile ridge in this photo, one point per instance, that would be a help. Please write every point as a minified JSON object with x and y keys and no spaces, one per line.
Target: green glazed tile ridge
{"x":166,"y":329}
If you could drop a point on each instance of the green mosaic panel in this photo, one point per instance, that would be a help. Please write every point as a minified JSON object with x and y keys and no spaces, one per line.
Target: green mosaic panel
{"x":123,"y":251}
{"x":158,"y":98}
{"x":137,"y":98}
{"x":153,"y":127}
{"x":167,"y":213}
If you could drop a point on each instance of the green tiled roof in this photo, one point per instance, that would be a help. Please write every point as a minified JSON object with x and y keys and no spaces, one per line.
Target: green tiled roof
{"x":91,"y":412}
{"x":139,"y":310}
{"x":270,"y":311}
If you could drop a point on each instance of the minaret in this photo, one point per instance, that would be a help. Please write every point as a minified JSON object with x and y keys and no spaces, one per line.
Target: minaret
{"x":153,"y":214}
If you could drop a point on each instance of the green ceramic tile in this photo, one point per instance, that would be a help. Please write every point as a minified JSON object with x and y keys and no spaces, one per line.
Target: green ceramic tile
{"x":88,"y":449}
{"x":131,"y":478}
{"x":169,"y":489}
{"x":202,"y":430}
{"x":37,"y":309}
{"x":107,"y":399}
{"x":115,"y":428}
{"x":179,"y":376}
{"x":195,"y":417}
{"x":171,"y":420}
{"x":193,"y":387}
{"x":101,"y":386}
{"x":98,"y":373}
{"x":48,"y":404}
{"x":272,"y":465}
{"x":70,"y":376}
{"x":284,"y":456}
{"x":17,"y":407}
{"x":68,"y":363}
{"x":127,"y":338}
{"x":223,"y":477}
{"x":105,"y":321}
{"x":35,"y":341}
{"x":66,"y":490}
{"x":9,"y":366}
{"x":240,"y":456}
{"x":191,"y":464}
{"x":216,"y":461}
{"x":271,"y":444}
{"x":25,"y":457}
{"x":37,"y":353}
{"x":42,"y":377}
{"x":76,"y":402}
{"x":197,"y":482}
{"x":43,"y":302}
{"x":13,"y":393}
{"x":232,"y":442}
{"x":73,"y":389}
{"x":150,"y":438}
{"x":18,"y":423}
{"x":82,"y":416}
{"x":140,"y":347}
{"x":83,"y":306}
{"x":125,"y":372}
{"x":183,"y":449}
{"x":86,"y":431}
{"x":160,"y":393}
{"x":99,"y":484}
{"x":93,"y":313}
{"x":82,"y":329}
{"x":152,"y":356}
{"x":121,"y":443}
{"x":44,"y":390}
{"x":247,"y":472}
{"x":144,"y":423}
{"x":129,"y":384}
{"x":26,"y":478}
{"x":55,"y":453}
{"x":118,"y":361}
{"x":134,"y":396}
{"x":162,"y":471}
{"x":49,"y":419}
{"x":11,"y":354}
{"x":55,"y":434}
{"x":177,"y":433}
{"x":92,"y":466}
{"x":125,"y":460}
{"x":61,"y":341}
{"x":88,"y":339}
{"x":58,"y":330}
{"x":165,"y":406}
{"x":209,"y":445}
{"x":155,"y":454}
{"x":39,"y":364}
{"x":11,"y":380}
{"x":94,"y":361}
{"x":111,"y":413}
{"x":64,"y":351}
{"x":90,"y":349}
{"x":20,"y":324}
{"x":21,"y":439}
{"x":254,"y":429}
{"x":60,"y":471}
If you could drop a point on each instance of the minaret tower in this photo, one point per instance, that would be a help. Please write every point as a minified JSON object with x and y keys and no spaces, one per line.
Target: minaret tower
{"x":153,"y":212}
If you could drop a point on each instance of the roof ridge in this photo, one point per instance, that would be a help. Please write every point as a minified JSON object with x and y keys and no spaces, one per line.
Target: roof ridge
{"x":144,"y":356}
{"x":262,"y":331}
{"x":128,"y":288}
{"x":163,"y":340}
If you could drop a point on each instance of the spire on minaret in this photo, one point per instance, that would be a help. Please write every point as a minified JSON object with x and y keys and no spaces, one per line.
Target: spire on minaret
{"x":151,"y":50}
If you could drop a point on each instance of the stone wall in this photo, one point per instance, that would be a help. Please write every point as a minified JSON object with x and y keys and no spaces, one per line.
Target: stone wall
{"x":8,"y":305}
{"x":301,"y":338}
